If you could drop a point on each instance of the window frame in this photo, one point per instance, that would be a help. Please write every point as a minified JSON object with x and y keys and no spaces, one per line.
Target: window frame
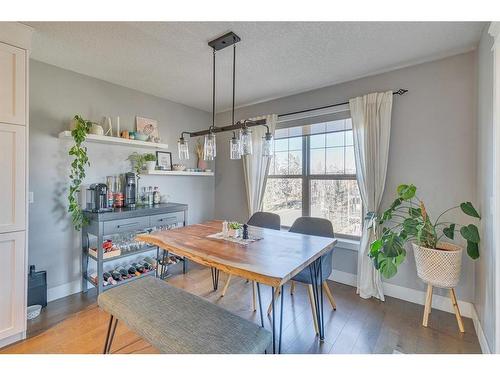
{"x":306,"y":177}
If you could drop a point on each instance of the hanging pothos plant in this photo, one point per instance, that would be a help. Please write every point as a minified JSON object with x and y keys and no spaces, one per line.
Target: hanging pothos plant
{"x":77,"y":172}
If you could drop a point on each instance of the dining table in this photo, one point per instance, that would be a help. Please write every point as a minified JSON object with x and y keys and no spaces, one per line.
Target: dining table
{"x":269,"y":257}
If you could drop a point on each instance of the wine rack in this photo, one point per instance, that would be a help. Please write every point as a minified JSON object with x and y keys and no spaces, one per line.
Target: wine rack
{"x":119,"y":227}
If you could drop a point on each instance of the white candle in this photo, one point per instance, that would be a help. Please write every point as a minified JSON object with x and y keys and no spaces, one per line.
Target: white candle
{"x":117,"y":126}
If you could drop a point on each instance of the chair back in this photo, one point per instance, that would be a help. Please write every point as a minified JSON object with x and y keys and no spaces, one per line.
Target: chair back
{"x":314,"y":226}
{"x":265,"y":220}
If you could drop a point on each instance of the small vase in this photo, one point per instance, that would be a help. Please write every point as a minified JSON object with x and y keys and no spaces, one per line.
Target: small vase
{"x":202,"y":164}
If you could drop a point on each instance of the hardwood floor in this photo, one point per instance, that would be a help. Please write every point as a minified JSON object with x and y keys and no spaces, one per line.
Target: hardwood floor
{"x":76,"y":325}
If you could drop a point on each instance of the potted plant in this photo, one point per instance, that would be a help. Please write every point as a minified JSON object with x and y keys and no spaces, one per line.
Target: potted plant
{"x":438,"y":262}
{"x":79,"y":130}
{"x":234,"y":229}
{"x":407,"y":220}
{"x":150,"y":161}
{"x":141,"y":161}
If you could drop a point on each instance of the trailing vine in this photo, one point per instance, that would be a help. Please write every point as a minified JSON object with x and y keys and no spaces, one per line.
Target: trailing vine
{"x":77,"y":172}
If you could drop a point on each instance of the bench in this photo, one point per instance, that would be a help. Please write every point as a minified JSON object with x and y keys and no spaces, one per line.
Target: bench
{"x":174,"y":321}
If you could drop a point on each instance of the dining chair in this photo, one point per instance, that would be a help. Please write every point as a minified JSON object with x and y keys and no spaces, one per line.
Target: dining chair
{"x":263,"y":220}
{"x":316,"y":227}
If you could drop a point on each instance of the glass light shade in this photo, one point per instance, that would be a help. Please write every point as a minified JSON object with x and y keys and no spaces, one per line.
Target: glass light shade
{"x":267,"y":145}
{"x":183,"y":148}
{"x":209,"y":147}
{"x":246,"y":141}
{"x":234,"y":148}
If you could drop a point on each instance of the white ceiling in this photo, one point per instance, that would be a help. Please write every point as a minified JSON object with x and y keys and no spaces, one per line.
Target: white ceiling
{"x":274,"y":59}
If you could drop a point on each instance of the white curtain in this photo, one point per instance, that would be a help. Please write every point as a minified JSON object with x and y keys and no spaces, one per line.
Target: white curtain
{"x":255,"y":166}
{"x":371,"y":124}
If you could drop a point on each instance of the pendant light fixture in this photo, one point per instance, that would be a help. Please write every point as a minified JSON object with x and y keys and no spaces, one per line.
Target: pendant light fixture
{"x":234,"y":142}
{"x":267,"y":144}
{"x":246,"y":141}
{"x":182,"y":145}
{"x":240,"y":144}
{"x":210,"y":145}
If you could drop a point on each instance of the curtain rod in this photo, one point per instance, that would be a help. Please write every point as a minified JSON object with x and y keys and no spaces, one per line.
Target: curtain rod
{"x":397,"y":92}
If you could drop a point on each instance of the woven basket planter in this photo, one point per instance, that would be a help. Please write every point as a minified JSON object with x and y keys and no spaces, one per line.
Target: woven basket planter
{"x":439,"y":267}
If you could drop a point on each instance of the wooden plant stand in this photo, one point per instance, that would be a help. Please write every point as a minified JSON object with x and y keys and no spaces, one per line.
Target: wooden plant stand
{"x":428,"y":307}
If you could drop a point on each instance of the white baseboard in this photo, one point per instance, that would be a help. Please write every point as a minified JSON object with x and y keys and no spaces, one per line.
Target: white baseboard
{"x":12,"y":339}
{"x":64,"y":290}
{"x":407,"y":294}
{"x":485,"y":348}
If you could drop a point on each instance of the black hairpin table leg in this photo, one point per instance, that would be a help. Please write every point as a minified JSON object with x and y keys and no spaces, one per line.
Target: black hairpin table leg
{"x":215,"y":277}
{"x":274,"y":320}
{"x":316,"y":274}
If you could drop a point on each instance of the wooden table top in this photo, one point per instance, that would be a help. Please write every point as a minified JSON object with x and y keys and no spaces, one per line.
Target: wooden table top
{"x":273,"y":260}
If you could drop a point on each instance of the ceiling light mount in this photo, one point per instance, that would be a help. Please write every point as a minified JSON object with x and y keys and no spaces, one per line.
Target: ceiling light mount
{"x":224,"y":41}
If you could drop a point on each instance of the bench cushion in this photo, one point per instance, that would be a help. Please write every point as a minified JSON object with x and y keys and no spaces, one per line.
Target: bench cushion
{"x":175,"y":321}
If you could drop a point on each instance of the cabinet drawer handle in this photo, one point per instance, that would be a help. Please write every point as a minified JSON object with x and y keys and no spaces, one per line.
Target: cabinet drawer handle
{"x":127,"y":225}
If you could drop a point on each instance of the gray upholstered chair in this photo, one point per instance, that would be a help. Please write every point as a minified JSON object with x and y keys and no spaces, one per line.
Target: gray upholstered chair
{"x":265,"y":220}
{"x":262,"y":220}
{"x":316,"y":227}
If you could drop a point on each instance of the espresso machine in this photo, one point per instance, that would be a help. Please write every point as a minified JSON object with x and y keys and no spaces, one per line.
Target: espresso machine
{"x":129,"y":190}
{"x":97,"y":200}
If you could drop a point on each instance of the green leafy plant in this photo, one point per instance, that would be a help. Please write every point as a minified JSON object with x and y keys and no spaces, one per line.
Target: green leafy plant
{"x":139,"y":160}
{"x":235,"y":225}
{"x":407,"y":220}
{"x":149,"y":157}
{"x":77,"y":171}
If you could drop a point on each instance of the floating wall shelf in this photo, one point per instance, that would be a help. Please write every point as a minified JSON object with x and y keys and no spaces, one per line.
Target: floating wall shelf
{"x":177,"y":173}
{"x":116,"y":141}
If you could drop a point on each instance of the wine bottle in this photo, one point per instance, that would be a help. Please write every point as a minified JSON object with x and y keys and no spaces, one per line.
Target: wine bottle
{"x":116,"y":275}
{"x":132,"y":271}
{"x":108,"y":278}
{"x":123,"y":272}
{"x":138,"y":267}
{"x":151,"y":261}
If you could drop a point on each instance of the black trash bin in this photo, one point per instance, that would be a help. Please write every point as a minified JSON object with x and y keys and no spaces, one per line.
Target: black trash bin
{"x":37,"y":287}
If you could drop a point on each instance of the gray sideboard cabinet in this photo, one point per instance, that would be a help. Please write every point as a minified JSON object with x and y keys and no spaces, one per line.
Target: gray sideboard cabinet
{"x":120,"y":223}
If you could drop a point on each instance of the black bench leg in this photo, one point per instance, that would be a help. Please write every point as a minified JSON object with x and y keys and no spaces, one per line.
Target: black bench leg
{"x":215,"y":277}
{"x":110,"y":335}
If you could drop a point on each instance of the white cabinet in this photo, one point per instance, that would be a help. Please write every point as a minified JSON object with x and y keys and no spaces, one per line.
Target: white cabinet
{"x":13,"y":181}
{"x":12,"y":84}
{"x":13,"y":284}
{"x":14,"y":46}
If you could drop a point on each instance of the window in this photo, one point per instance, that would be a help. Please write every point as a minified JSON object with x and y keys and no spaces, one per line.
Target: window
{"x":313,"y":173}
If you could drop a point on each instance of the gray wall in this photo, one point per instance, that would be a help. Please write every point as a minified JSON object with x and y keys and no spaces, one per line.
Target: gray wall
{"x":55,"y":96}
{"x":433,"y":145}
{"x":485,"y":266}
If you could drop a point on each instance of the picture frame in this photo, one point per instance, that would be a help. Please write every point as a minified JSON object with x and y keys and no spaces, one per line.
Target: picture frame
{"x":147,"y":126}
{"x":164,"y":160}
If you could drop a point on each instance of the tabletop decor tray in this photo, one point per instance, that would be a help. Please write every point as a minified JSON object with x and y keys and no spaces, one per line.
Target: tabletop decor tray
{"x":238,"y":240}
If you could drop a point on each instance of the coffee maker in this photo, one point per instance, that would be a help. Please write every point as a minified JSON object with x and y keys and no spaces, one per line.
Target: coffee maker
{"x":129,"y":190}
{"x":97,"y":200}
